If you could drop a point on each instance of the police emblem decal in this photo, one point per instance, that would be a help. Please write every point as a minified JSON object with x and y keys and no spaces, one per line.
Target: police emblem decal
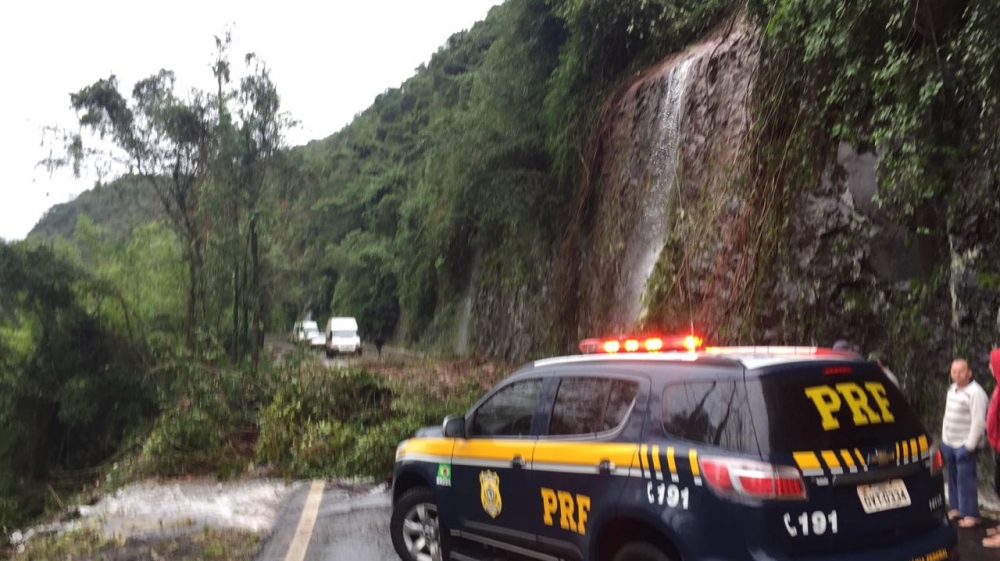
{"x":489,"y":492}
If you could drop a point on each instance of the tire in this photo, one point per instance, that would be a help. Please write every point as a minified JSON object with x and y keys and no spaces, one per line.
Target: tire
{"x":416,"y":532}
{"x":641,"y":551}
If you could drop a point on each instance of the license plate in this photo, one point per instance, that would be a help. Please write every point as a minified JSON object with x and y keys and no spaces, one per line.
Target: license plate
{"x":884,"y":496}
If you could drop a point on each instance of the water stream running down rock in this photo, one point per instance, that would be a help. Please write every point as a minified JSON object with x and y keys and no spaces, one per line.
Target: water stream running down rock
{"x":650,"y":230}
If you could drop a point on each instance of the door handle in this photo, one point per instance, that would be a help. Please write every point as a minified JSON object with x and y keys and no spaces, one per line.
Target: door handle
{"x":606,"y":467}
{"x":517,"y":462}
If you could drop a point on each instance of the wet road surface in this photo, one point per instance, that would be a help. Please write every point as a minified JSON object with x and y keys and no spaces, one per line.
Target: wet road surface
{"x":351,"y":521}
{"x":970,"y":543}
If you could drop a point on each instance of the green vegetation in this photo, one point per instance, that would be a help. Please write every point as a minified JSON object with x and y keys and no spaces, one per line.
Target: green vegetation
{"x":461,"y":176}
{"x":88,"y":544}
{"x":132,"y":321}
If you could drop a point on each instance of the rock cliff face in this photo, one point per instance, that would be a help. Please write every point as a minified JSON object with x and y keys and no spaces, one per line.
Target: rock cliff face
{"x":680,"y":174}
{"x":671,"y":235}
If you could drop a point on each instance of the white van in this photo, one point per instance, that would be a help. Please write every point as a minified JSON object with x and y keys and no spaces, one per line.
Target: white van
{"x":342,"y":336}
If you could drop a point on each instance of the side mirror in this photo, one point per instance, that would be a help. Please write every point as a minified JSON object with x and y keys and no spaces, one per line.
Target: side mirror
{"x":454,"y":426}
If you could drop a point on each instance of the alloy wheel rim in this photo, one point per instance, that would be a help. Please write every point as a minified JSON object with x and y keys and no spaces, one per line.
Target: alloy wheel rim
{"x":421,"y":532}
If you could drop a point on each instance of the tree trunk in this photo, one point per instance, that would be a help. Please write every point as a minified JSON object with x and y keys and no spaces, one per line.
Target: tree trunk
{"x":258,"y":297}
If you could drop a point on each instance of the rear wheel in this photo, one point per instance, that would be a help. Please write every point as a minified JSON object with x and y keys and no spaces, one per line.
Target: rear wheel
{"x":641,"y":551}
{"x":416,"y":532}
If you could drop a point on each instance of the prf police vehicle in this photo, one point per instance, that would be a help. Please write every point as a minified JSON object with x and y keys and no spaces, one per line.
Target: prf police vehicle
{"x":634,"y":451}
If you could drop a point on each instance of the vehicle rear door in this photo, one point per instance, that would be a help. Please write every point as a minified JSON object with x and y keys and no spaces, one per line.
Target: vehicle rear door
{"x":863,"y":453}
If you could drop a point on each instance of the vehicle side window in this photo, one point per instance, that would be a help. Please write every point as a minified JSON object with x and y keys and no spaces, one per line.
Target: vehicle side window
{"x":590,"y":405}
{"x":509,"y":411}
{"x":711,"y":412}
{"x":620,"y":400}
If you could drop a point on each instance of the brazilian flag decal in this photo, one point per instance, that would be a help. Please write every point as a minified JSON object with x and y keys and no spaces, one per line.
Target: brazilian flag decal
{"x":444,"y":475}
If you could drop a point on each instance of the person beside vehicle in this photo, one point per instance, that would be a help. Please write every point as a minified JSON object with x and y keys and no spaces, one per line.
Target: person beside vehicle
{"x":962,"y":432}
{"x":992,"y":538}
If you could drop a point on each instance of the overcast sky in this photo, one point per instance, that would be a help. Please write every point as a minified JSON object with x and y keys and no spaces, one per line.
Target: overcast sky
{"x":329,"y":60}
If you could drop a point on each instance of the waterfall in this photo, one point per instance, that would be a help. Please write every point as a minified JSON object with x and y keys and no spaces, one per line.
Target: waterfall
{"x":461,"y":346}
{"x":650,"y":231}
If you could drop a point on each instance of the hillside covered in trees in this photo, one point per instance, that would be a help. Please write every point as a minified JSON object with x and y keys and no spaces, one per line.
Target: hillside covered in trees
{"x":790,"y":171}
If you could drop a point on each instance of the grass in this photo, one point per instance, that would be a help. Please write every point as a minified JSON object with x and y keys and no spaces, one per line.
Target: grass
{"x":89,"y":544}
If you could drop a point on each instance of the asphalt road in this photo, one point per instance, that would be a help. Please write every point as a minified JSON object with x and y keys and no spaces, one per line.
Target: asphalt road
{"x":970,"y":543}
{"x":348,"y":522}
{"x":345,"y":521}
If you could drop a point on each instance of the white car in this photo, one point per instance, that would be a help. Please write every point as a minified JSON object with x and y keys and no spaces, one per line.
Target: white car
{"x":302,"y":329}
{"x":315,"y":338}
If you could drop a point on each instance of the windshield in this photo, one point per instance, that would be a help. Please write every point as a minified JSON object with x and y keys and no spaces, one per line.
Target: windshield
{"x":343,"y":334}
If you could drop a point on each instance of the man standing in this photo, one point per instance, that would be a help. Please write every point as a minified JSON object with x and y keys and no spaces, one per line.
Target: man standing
{"x":961,"y":437}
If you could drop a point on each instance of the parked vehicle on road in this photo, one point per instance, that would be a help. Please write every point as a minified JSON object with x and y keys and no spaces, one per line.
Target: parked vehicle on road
{"x":300,"y":330}
{"x":342,"y":336}
{"x":656,"y":449}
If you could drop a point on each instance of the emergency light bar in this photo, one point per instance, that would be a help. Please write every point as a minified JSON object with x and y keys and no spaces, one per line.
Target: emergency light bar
{"x":655,"y":344}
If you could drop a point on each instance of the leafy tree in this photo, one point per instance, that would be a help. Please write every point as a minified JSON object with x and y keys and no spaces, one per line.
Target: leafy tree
{"x":68,"y":384}
{"x":204,"y":157}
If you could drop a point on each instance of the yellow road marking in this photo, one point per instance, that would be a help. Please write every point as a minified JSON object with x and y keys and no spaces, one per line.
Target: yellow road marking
{"x":300,"y":542}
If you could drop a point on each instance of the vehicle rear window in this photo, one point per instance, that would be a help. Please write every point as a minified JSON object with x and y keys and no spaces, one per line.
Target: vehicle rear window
{"x":828,"y":406}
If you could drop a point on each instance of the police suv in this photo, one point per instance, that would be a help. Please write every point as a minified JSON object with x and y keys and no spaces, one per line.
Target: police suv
{"x":635,"y":451}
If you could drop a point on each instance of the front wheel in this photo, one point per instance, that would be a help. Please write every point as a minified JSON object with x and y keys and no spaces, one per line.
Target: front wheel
{"x":641,"y":551}
{"x":416,"y":532}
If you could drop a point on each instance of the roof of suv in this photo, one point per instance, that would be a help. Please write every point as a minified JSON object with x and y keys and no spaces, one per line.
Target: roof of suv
{"x":749,"y":357}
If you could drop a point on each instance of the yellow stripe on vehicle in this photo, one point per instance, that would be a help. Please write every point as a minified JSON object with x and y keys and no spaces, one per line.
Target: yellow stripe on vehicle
{"x":672,"y":463}
{"x":898,"y":453}
{"x":830,"y":457}
{"x":808,"y":462}
{"x":848,"y":459}
{"x":656,"y":462}
{"x":495,"y":450}
{"x":642,"y":458}
{"x":695,"y":468}
{"x":914,"y":455}
{"x":861,"y":459}
{"x":426,"y":447}
{"x":637,"y":468}
{"x":924,"y":448}
{"x":583,"y":454}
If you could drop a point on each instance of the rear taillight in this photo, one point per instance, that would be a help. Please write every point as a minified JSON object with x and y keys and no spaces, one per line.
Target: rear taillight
{"x":937,"y":461}
{"x":751,"y":479}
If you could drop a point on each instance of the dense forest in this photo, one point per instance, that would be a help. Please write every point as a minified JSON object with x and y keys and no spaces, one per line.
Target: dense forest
{"x":478,"y":209}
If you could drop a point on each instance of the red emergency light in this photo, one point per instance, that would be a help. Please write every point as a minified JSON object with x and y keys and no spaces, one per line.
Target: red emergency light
{"x":650,"y":344}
